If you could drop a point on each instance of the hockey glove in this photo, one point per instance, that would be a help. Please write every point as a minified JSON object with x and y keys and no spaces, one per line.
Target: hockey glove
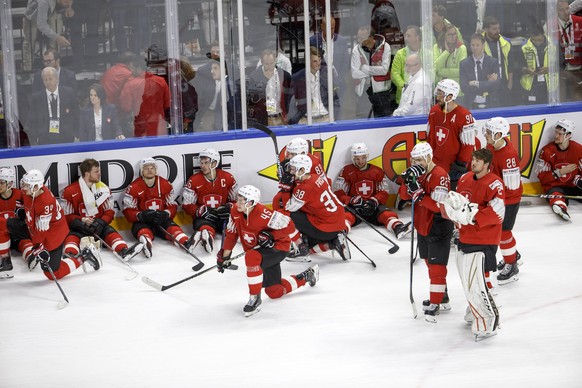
{"x":97,"y":226}
{"x":161,"y":217}
{"x":206,"y":213}
{"x":578,"y":181}
{"x":79,"y":226}
{"x":412,"y":173}
{"x":146,"y":216}
{"x":38,"y":255}
{"x":266,"y":239}
{"x":20,"y":213}
{"x":223,"y":211}
{"x":287,"y":179}
{"x":369,"y":207}
{"x":400,"y":203}
{"x":415,"y":190}
{"x":222,"y":261}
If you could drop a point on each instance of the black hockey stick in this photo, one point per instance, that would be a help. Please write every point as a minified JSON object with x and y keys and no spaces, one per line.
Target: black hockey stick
{"x":271,"y":134}
{"x":361,"y":251}
{"x":392,"y":250}
{"x":200,"y":264}
{"x":63,"y":303}
{"x":117,"y":257}
{"x":160,"y":287}
{"x":412,"y":259}
{"x":551,"y":196}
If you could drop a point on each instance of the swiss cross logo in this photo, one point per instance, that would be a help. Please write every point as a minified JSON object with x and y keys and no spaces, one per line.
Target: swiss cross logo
{"x":365,"y":188}
{"x":154,"y":204}
{"x":212,"y":200}
{"x":249,"y":238}
{"x":441,"y":135}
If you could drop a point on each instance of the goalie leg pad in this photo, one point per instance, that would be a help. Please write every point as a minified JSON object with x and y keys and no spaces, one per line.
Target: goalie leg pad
{"x":481,"y":302}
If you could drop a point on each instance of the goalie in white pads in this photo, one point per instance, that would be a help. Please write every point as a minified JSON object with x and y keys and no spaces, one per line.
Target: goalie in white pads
{"x":478,"y":207}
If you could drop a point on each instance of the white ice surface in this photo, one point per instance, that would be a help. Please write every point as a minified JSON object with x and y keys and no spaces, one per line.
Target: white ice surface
{"x":354,"y":329}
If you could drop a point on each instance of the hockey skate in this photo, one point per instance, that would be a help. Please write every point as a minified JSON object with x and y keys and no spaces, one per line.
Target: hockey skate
{"x":430,"y":312}
{"x":6,"y":264}
{"x":340,"y":245}
{"x":207,"y":241}
{"x":6,"y":276}
{"x":562,"y":211}
{"x":253,"y":305}
{"x":509,"y":274}
{"x":299,"y":253}
{"x":311,"y":275}
{"x":517,"y":260}
{"x":129,"y":253}
{"x":90,"y":255}
{"x":469,"y":317}
{"x":444,"y":305}
{"x":402,"y":230}
{"x":147,"y":246}
{"x":481,"y":335}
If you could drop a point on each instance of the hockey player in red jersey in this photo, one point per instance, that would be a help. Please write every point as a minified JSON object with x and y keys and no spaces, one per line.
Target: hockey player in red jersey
{"x":559,"y":168}
{"x":478,"y":207}
{"x":297,"y":146}
{"x":207,"y":197}
{"x":505,"y":165}
{"x":318,"y":214}
{"x":41,"y":235}
{"x":10,"y":205}
{"x":363,"y":188}
{"x":451,"y":131}
{"x":150,"y":204}
{"x":264,"y":235}
{"x":88,"y":209}
{"x":429,"y":185}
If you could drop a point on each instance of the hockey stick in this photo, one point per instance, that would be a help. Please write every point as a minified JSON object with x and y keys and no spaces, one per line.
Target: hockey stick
{"x":392,"y":250}
{"x":200,"y":263}
{"x":361,"y":251}
{"x":551,"y":196}
{"x":62,"y":303}
{"x":160,"y":287}
{"x":271,"y":134}
{"x":412,"y":259}
{"x":118,"y":257}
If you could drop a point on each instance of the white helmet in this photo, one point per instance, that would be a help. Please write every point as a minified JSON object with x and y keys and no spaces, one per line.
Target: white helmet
{"x":299,"y":162}
{"x":497,"y":125}
{"x":211,"y":154}
{"x":421,"y":150}
{"x":7,"y":174}
{"x":448,"y":86}
{"x":146,"y":161}
{"x":298,"y":146}
{"x":359,"y":149}
{"x":567,"y":125}
{"x":33,"y":178}
{"x":250,"y":194}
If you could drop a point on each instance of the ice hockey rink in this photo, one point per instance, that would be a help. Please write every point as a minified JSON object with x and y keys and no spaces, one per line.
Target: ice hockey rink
{"x":353,"y":329}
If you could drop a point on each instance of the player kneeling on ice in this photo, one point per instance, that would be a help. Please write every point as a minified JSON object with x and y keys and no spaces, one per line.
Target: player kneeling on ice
{"x":88,"y":210}
{"x":10,"y":206}
{"x":428,"y":185}
{"x":42,"y":231}
{"x":363,"y":188}
{"x":478,"y":208}
{"x":150,"y":204}
{"x":264,"y":235}
{"x":207,"y":198}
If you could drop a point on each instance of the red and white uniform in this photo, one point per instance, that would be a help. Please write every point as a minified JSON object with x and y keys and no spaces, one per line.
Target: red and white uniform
{"x":7,"y":209}
{"x":451,"y":135}
{"x":552,"y":158}
{"x":436,"y":185}
{"x":315,"y":198}
{"x":198,"y":191}
{"x":505,"y":165}
{"x":46,"y":220}
{"x":489,"y":194}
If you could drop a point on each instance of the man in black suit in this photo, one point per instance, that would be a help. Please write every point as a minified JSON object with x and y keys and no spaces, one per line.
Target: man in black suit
{"x":51,"y":58}
{"x":479,"y":77}
{"x":55,"y":117}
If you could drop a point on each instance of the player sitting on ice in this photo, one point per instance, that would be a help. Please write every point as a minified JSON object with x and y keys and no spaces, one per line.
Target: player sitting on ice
{"x":428,"y":184}
{"x":559,"y":168}
{"x":264,"y":235}
{"x":363,"y":188}
{"x":150,"y":204}
{"x":10,"y":206}
{"x":208,"y":196}
{"x":42,"y":230}
{"x":318,"y":214}
{"x":88,"y":209}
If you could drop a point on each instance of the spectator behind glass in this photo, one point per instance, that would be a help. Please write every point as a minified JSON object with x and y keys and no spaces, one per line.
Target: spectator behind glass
{"x":417,"y":95}
{"x":51,"y":58}
{"x":56,"y":112}
{"x":363,"y":105}
{"x":499,"y":49}
{"x":113,"y":81}
{"x":448,"y":58}
{"x":99,"y":120}
{"x":412,"y":39}
{"x":570,"y":34}
{"x":479,"y":79}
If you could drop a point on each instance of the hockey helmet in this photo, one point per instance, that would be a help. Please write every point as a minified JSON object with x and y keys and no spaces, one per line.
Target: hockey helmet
{"x":251,"y":194}
{"x":359,"y":149}
{"x":421,"y":150}
{"x":301,"y":162}
{"x":448,"y":86}
{"x":146,"y":161}
{"x":298,"y":146}
{"x":496,"y":125}
{"x":32,"y":179}
{"x":7,"y":174}
{"x":211,"y":154}
{"x":566,"y":125}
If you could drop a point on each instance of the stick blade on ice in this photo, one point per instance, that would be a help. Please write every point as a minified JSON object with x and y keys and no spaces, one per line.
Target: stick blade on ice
{"x":151,"y":283}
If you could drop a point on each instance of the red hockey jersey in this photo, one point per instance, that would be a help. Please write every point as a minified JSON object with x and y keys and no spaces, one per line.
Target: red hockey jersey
{"x":552,"y":158}
{"x":488,"y":193}
{"x":451,"y":135}
{"x":368,"y":183}
{"x":249,"y":227}
{"x":45,"y":220}
{"x":9,"y":205}
{"x":138,"y":197}
{"x":505,"y":165}
{"x":198,"y":190}
{"x":74,"y":207}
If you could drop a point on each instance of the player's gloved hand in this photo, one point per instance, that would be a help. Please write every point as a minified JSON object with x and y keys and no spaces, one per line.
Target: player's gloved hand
{"x":369,"y":207}
{"x":266,"y":239}
{"x":356,"y":201}
{"x":21,"y":213}
{"x":38,"y":255}
{"x":206,"y":213}
{"x":578,"y":181}
{"x":146,"y":216}
{"x":161,"y":217}
{"x":287,"y":179}
{"x":412,"y":173}
{"x":223,"y":211}
{"x":79,"y":226}
{"x":415,"y":190}
{"x":97,"y":226}
{"x":222,"y":261}
{"x":400,"y":203}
